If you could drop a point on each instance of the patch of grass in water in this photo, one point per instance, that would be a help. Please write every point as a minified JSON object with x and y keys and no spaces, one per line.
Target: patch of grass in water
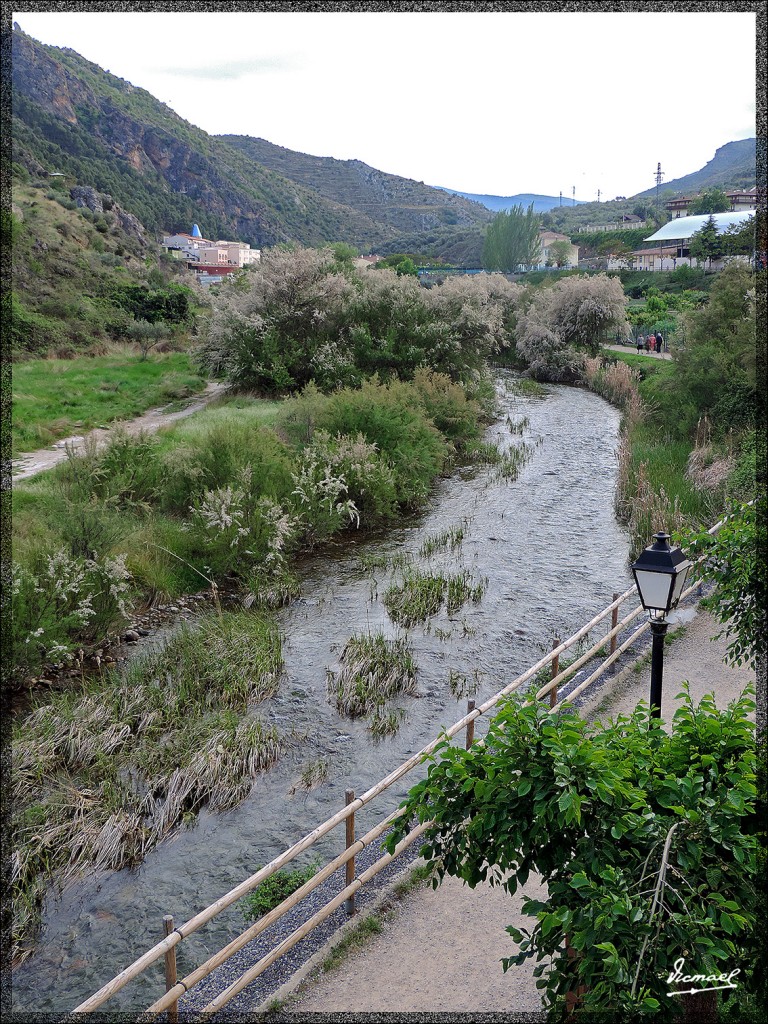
{"x":373,"y":669}
{"x":420,"y":595}
{"x":102,"y":774}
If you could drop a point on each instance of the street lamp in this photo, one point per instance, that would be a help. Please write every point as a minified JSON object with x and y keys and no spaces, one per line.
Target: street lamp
{"x":660,"y":574}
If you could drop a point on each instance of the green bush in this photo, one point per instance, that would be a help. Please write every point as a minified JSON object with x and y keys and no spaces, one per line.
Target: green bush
{"x":274,"y":890}
{"x":387,"y":416}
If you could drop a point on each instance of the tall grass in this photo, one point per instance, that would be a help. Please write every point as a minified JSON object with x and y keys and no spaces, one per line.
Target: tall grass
{"x":420,"y":595}
{"x":655,"y":490}
{"x":101,"y":776}
{"x":373,"y":669}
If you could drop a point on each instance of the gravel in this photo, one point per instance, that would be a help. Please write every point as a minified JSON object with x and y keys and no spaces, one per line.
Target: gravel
{"x":282,"y":970}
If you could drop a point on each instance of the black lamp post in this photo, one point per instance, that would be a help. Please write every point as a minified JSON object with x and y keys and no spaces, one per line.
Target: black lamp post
{"x":660,"y":574}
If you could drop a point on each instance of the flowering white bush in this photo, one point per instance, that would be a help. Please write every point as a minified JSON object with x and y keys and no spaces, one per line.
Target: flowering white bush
{"x":575,"y":310}
{"x":62,"y":603}
{"x":318,"y":492}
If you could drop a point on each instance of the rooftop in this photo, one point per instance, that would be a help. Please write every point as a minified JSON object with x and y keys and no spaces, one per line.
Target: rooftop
{"x":684,"y":227}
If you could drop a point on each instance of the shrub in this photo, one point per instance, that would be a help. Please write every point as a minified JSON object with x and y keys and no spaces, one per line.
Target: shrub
{"x":387,"y":417}
{"x":608,"y":815}
{"x":274,"y":890}
{"x":59,"y":602}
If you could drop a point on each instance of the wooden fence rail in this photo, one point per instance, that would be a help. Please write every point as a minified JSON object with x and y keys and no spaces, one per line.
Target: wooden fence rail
{"x":353,"y":846}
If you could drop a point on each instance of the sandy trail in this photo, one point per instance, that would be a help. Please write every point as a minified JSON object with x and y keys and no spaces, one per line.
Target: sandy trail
{"x":32,"y":463}
{"x":440,"y":951}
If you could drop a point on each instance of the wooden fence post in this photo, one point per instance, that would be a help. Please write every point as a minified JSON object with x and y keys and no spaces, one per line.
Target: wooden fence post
{"x":350,"y":865}
{"x":470,"y":725}
{"x":555,"y":670}
{"x":614,"y":623}
{"x":170,"y":969}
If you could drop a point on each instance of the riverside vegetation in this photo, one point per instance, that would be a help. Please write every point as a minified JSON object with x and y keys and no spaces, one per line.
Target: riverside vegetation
{"x":374,"y":388}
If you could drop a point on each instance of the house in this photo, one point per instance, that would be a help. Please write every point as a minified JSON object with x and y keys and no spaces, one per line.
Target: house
{"x":679,"y":207}
{"x":196,"y":251}
{"x":546,"y":240}
{"x":743,"y":199}
{"x":740,"y":199}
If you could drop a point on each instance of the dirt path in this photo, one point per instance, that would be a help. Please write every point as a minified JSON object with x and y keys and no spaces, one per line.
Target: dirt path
{"x":440,"y":952}
{"x":32,"y":463}
{"x":633,"y":349}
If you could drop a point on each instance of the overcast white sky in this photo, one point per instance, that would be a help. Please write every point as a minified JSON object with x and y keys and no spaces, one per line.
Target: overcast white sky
{"x":497,"y":103}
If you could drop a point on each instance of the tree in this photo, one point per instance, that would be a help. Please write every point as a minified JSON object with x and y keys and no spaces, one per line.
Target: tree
{"x":560,"y":253}
{"x":579,"y":310}
{"x":711,"y":200}
{"x":706,"y":243}
{"x":734,"y":561}
{"x":645,"y":841}
{"x":512,"y":240}
{"x":740,"y":239}
{"x":716,"y":370}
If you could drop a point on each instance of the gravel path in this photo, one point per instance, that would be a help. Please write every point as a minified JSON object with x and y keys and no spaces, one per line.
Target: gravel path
{"x":439,"y":951}
{"x":33,"y":463}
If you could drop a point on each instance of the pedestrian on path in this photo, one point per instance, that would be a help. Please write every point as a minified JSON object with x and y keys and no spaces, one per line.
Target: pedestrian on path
{"x":652,"y":342}
{"x":640,"y":342}
{"x":659,"y":342}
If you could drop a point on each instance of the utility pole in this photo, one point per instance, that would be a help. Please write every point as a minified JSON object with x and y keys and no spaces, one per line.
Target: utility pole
{"x":561,"y":197}
{"x":598,"y":195}
{"x":659,"y":176}
{"x":574,"y":196}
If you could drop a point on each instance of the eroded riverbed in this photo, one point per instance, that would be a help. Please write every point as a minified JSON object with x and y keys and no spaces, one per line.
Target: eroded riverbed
{"x":553,"y":554}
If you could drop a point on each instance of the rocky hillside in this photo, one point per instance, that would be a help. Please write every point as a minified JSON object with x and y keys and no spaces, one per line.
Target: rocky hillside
{"x":403,"y":204}
{"x":73,"y":118}
{"x":733,"y":166}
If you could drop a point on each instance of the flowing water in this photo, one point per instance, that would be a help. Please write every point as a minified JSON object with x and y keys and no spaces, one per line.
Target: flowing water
{"x":553,"y":554}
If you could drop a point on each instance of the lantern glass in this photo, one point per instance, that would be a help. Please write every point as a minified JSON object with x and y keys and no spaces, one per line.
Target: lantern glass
{"x":680,"y":581}
{"x":654,"y":589}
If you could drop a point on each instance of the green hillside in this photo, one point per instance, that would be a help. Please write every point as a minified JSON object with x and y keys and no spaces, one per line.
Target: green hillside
{"x":73,"y":118}
{"x":401,"y":203}
{"x":69,"y":116}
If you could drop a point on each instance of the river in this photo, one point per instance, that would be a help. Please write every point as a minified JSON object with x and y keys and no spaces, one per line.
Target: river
{"x":553,"y":554}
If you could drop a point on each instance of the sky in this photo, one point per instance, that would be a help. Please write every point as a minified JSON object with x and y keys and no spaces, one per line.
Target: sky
{"x":497,"y":103}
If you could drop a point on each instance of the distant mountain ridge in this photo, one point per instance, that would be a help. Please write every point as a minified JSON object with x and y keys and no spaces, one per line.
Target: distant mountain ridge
{"x":734,"y":165}
{"x":401,"y":203}
{"x":541,"y":204}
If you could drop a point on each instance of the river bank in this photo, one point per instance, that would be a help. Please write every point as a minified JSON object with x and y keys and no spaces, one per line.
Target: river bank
{"x":100,"y":922}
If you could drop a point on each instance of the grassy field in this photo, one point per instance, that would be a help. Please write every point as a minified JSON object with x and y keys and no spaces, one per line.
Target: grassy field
{"x":55,"y":398}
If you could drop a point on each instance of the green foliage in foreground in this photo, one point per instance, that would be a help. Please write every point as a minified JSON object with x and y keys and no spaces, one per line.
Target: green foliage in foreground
{"x":274,"y":890}
{"x":646,"y":842}
{"x":55,"y":398}
{"x":735,"y":562}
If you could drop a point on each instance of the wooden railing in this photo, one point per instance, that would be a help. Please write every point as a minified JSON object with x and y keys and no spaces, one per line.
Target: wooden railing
{"x":175,"y":989}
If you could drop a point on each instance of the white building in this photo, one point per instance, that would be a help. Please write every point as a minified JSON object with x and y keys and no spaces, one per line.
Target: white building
{"x":675,"y":235}
{"x":546,"y":240}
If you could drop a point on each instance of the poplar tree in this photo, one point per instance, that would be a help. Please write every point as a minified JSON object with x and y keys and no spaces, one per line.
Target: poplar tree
{"x":512,"y":240}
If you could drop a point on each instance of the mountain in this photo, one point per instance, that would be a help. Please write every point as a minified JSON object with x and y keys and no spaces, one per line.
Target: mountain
{"x":733,"y":166}
{"x":540,"y":203}
{"x":71,"y":117}
{"x":401,"y":203}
